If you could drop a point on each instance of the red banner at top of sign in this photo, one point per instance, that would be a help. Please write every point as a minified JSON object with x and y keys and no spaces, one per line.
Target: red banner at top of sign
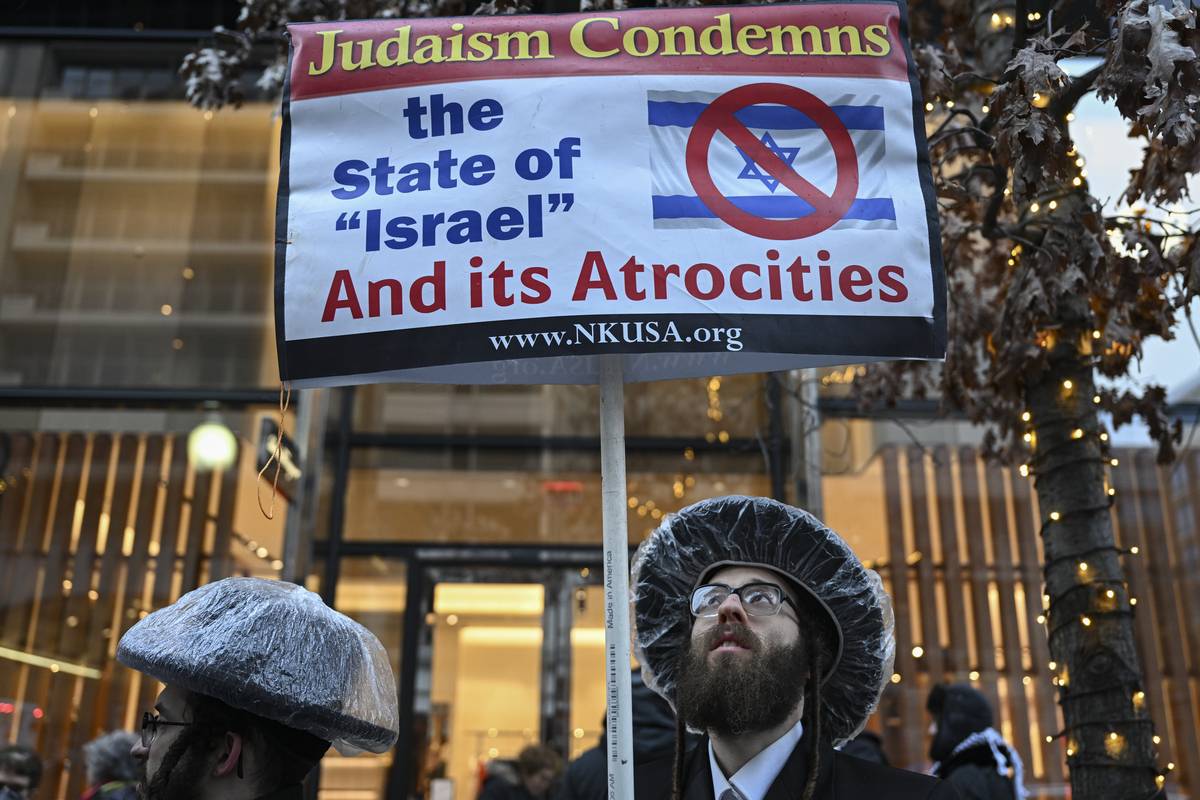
{"x":855,"y":40}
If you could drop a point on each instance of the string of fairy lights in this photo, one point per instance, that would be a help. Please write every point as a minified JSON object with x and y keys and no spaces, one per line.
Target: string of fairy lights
{"x":683,"y":482}
{"x":1102,"y":598}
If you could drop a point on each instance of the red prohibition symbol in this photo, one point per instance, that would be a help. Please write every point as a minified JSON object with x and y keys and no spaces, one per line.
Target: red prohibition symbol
{"x":719,"y":116}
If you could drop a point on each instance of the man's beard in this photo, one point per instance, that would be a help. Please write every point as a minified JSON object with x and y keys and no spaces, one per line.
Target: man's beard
{"x":180,"y":774}
{"x":739,"y":693}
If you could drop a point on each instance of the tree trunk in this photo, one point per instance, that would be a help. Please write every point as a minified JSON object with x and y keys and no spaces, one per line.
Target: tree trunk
{"x":1089,"y":620}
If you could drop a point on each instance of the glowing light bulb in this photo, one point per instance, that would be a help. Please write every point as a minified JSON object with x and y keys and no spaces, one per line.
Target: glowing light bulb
{"x":211,"y":446}
{"x":1026,"y":416}
{"x":1054,"y":515}
{"x":1068,"y":384}
{"x":1083,"y":567}
{"x":1086,"y":620}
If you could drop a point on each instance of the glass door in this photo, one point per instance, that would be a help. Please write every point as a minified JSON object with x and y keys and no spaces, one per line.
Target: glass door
{"x":494,"y":667}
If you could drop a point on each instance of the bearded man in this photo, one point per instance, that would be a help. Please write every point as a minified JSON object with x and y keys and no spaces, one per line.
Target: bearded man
{"x":767,"y":634}
{"x":261,"y":679}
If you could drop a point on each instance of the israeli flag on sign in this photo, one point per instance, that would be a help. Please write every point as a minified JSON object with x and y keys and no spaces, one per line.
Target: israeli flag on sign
{"x":789,"y":134}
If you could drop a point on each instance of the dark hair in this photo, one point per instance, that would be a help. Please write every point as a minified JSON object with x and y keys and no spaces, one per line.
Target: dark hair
{"x":537,"y":757}
{"x":22,"y":760}
{"x":820,"y":636}
{"x":286,"y":754}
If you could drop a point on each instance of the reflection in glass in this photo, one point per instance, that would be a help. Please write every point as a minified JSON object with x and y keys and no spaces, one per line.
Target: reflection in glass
{"x":140,"y":247}
{"x":698,"y":407}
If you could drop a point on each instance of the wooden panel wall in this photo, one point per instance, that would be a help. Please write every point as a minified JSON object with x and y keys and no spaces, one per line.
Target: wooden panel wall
{"x":986,"y":631}
{"x":96,"y":530}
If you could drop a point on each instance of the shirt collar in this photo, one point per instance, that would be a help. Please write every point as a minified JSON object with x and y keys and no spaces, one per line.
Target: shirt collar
{"x":754,"y":779}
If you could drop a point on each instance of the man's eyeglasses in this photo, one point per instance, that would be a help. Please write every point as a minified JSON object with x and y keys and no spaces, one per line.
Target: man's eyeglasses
{"x":758,"y":599}
{"x":150,"y":723}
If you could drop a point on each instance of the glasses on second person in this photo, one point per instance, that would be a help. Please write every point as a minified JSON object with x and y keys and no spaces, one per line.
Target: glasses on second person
{"x":758,"y":599}
{"x":150,"y":726}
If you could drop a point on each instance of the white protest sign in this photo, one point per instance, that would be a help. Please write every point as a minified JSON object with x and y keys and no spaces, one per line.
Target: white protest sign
{"x":699,"y":190}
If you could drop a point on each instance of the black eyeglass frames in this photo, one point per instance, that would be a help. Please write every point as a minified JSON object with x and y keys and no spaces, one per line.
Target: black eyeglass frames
{"x":150,"y":725}
{"x":758,"y":599}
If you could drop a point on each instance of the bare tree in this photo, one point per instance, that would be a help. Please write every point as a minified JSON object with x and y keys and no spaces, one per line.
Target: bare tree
{"x":1046,"y":294}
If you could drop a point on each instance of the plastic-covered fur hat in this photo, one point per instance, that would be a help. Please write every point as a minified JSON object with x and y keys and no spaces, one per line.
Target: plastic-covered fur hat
{"x":275,"y":650}
{"x":754,"y":531}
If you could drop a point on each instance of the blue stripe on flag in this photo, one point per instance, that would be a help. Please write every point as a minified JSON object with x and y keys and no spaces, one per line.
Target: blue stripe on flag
{"x":775,"y":118}
{"x":677,"y":206}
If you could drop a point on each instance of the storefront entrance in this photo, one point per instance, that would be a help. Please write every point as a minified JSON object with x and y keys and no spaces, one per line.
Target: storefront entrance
{"x":498,"y":657}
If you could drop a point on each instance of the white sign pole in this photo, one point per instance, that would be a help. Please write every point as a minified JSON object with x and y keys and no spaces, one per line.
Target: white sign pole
{"x":616,"y":578}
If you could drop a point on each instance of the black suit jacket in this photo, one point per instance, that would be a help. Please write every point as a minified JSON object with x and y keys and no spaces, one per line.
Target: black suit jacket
{"x":842,"y":777}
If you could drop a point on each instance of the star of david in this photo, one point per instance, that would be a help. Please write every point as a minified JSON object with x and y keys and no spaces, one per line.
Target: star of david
{"x":753,"y":172}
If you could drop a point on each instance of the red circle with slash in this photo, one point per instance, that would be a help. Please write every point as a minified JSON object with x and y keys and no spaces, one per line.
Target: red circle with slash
{"x":720,"y":117}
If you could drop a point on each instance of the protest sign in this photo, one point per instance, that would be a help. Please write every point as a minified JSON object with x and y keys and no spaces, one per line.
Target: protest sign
{"x":700,"y":190}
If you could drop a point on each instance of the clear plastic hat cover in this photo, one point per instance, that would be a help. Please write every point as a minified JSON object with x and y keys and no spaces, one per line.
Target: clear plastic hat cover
{"x":755,"y":530}
{"x":276,"y":650}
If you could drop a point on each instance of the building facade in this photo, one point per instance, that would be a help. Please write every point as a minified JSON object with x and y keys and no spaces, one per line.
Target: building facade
{"x":460,"y":523}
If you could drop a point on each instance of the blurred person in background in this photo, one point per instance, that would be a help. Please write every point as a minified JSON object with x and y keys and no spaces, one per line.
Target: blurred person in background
{"x":867,"y":746}
{"x":112,"y":772}
{"x":529,"y":777}
{"x":967,"y":751}
{"x":20,"y":772}
{"x":261,"y":679}
{"x":586,"y":777}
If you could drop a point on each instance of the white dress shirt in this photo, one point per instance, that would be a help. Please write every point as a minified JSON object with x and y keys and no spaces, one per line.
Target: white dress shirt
{"x":752,"y":781}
